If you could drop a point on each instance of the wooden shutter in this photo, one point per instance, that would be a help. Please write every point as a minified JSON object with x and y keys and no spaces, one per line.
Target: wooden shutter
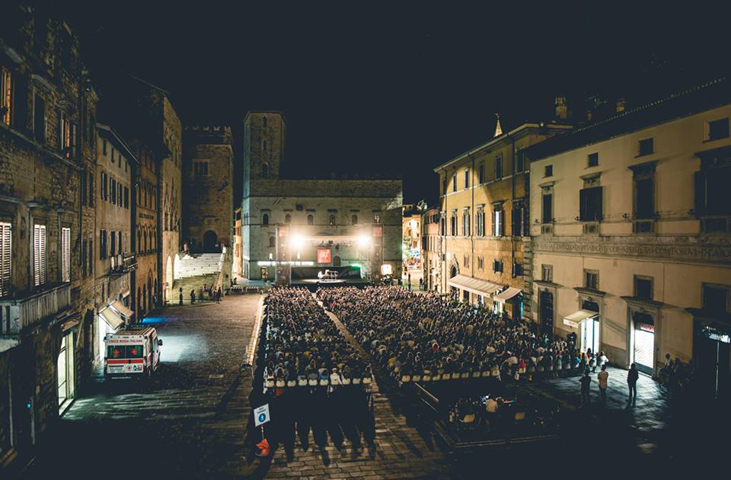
{"x":65,"y":254}
{"x":5,"y":258}
{"x":39,"y":254}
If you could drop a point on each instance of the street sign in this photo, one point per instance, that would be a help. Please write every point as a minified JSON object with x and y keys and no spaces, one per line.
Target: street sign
{"x":261,"y":415}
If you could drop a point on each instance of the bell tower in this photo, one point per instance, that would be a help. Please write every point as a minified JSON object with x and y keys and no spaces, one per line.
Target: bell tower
{"x":264,"y":140}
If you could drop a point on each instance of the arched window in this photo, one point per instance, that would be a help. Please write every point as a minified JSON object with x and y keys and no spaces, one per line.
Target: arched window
{"x":355,"y":219}
{"x":265,"y":219}
{"x":310,"y":219}
{"x":331,"y":220}
{"x":265,"y":170}
{"x":288,"y":218}
{"x":272,"y":242}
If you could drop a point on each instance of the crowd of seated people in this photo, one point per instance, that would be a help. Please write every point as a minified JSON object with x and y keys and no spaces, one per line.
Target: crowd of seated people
{"x":417,"y":334}
{"x":303,"y":345}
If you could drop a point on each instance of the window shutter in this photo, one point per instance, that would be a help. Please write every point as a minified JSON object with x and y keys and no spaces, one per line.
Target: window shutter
{"x":66,"y":255}
{"x":5,"y":258}
{"x":43,"y":254}
{"x":599,"y":193}
{"x":583,"y":204}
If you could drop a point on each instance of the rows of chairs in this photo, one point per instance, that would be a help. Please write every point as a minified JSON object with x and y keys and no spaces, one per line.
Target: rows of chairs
{"x":302,"y":381}
{"x":493,"y":372}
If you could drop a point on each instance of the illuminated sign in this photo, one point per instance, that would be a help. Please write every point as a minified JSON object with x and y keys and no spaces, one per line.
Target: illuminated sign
{"x":324,"y":255}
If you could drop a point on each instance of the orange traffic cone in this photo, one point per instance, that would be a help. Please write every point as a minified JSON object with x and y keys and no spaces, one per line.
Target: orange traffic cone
{"x":263,"y":447}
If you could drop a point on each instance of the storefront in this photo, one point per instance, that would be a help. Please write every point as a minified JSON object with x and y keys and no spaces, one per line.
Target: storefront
{"x":586,"y":322}
{"x":643,"y":342}
{"x":461,"y":286}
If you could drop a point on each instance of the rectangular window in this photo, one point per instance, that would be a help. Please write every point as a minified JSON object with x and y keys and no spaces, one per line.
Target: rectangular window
{"x":102,"y":244}
{"x":91,"y":189}
{"x":520,"y":162}
{"x":590,"y":204}
{"x":453,"y":231}
{"x":643,"y":287}
{"x":497,"y":222}
{"x":6,"y":257}
{"x":65,"y":254}
{"x":497,"y":266}
{"x":646,"y":146}
{"x":547,"y":213}
{"x":454,"y":182}
{"x":120,"y":201}
{"x":480,"y":263}
{"x":480,"y":222}
{"x":104,"y":147}
{"x":104,"y":186}
{"x":548,"y":171}
{"x":126,"y":197}
{"x":467,"y":179}
{"x":6,"y":96}
{"x":593,"y":160}
{"x":91,"y":257}
{"x":718,"y":129}
{"x":498,"y":167}
{"x":466,"y":222}
{"x":518,"y":217}
{"x":482,"y":174}
{"x":112,"y":243}
{"x":200,"y":169}
{"x":645,"y":198}
{"x":547,"y":273}
{"x":444,"y":186}
{"x":39,"y":254}
{"x":591,"y":279}
{"x":84,"y":247}
{"x":716,"y":298}
{"x":39,"y":119}
{"x":112,"y":190}
{"x":466,"y":261}
{"x":712,"y":192}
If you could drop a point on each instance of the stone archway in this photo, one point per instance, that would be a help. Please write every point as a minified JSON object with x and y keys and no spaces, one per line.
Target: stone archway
{"x":168,"y":290}
{"x":176,"y":268}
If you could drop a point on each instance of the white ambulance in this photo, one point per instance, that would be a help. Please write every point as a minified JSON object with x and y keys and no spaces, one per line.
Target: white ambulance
{"x":132,"y":352}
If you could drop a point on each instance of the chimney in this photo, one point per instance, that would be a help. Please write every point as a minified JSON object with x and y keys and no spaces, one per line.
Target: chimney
{"x":621,"y":105}
{"x":562,"y":111}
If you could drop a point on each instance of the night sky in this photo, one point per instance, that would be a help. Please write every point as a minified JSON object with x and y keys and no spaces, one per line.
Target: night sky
{"x":395,"y":87}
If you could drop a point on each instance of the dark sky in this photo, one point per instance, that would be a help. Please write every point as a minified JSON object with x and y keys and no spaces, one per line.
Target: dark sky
{"x":395,"y":87}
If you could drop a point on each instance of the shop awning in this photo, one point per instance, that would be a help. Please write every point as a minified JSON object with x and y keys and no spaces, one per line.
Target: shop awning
{"x":112,"y":318}
{"x":576,"y":318}
{"x":121,"y":309}
{"x":474,"y":285}
{"x":502,"y":297}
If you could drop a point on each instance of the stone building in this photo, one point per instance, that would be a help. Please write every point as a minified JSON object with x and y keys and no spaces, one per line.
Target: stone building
{"x":328,"y":222}
{"x":47,"y":149}
{"x":238,"y":249}
{"x":431,"y":243}
{"x":171,"y":191}
{"x":115,"y":262}
{"x":209,"y":208}
{"x":411,"y":237}
{"x":484,"y":208}
{"x":631,"y":219}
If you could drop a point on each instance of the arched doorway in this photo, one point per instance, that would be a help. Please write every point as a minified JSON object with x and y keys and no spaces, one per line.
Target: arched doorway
{"x":336,"y":261}
{"x":168,"y":291}
{"x":176,"y":268}
{"x":209,"y":241}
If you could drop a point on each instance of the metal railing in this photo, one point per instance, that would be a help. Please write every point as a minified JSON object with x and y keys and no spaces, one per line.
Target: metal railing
{"x":17,"y":314}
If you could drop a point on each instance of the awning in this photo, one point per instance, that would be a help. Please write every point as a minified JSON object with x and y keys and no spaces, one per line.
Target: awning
{"x":502,"y":297}
{"x":474,"y":285}
{"x":576,"y":318}
{"x":112,"y":318}
{"x":121,"y":309}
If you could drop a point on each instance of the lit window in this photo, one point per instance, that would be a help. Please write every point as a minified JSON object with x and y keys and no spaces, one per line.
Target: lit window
{"x":6,"y":96}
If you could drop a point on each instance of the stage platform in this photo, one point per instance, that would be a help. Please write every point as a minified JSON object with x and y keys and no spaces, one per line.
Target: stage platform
{"x":315,"y":283}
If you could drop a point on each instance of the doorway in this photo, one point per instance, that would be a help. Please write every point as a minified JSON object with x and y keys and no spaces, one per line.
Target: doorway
{"x":712,"y":358}
{"x":545,"y":300}
{"x":590,"y":334}
{"x":643,"y":342}
{"x":65,"y":370}
{"x":209,"y":241}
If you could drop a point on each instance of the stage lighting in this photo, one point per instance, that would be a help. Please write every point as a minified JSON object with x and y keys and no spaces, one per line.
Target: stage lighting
{"x":298,"y":241}
{"x":364,"y":241}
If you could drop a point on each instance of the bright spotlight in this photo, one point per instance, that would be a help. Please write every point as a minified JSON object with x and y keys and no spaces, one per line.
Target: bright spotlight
{"x":298,"y":241}
{"x":364,"y":241}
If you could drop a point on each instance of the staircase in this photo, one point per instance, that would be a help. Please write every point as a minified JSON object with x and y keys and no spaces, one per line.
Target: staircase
{"x":201,"y":264}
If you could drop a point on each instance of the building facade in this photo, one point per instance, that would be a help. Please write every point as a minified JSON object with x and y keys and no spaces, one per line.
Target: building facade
{"x":484,"y":215}
{"x":171,"y":194}
{"x":630,"y":218}
{"x":411,"y":237}
{"x":335,"y":221}
{"x":431,"y":248}
{"x":47,"y":145}
{"x":115,"y":262}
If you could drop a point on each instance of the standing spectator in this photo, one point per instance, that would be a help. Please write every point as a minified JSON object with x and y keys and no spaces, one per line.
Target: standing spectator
{"x":632,"y":377}
{"x":409,"y":277}
{"x":585,"y":385}
{"x":603,"y":380}
{"x":192,"y":297}
{"x":180,"y":298}
{"x":602,"y":360}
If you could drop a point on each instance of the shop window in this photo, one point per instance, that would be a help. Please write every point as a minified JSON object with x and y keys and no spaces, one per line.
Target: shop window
{"x":643,"y":287}
{"x":718,"y":129}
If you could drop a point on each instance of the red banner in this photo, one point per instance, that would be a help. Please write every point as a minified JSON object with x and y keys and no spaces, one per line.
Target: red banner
{"x":324,"y":255}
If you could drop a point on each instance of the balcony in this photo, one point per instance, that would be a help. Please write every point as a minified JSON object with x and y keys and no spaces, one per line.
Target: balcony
{"x":18,"y":314}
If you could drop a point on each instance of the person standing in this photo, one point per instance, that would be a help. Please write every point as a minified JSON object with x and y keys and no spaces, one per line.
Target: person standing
{"x":603,"y":380}
{"x":632,"y":377}
{"x":409,"y":277}
{"x":192,"y":297}
{"x":180,"y":298}
{"x":585,"y":389}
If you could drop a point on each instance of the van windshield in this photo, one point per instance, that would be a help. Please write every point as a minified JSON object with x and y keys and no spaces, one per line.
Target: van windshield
{"x":124,"y":351}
